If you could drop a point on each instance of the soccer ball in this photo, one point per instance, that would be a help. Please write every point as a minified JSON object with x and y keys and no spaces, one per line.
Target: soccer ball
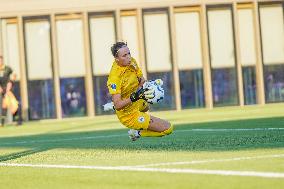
{"x":158,"y":90}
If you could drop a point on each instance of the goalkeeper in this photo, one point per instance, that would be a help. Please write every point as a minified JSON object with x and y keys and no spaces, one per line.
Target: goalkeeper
{"x":125,"y":83}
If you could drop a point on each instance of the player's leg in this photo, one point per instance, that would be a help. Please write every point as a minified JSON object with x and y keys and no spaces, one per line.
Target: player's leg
{"x":145,"y":125}
{"x":156,"y":124}
{"x":2,"y":118}
{"x":157,"y":127}
{"x":138,"y":124}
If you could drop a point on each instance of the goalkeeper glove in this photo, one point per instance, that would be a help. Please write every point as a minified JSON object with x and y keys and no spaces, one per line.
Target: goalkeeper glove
{"x":142,"y":94}
{"x":139,"y":94}
{"x":149,"y":93}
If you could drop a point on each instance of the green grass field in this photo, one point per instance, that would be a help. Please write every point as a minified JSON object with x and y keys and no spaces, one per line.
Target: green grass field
{"x":230,"y":147}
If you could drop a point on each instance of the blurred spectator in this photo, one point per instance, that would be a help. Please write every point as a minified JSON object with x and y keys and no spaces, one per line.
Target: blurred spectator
{"x":6,"y":82}
{"x":73,"y":101}
{"x":270,"y":87}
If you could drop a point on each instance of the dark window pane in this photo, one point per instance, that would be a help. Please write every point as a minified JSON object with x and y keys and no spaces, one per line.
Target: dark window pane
{"x":274,"y":83}
{"x":191,"y":88}
{"x":249,"y":85}
{"x":102,"y":95}
{"x":73,"y":97}
{"x":224,"y":84}
{"x":169,"y":101}
{"x":41,"y":99}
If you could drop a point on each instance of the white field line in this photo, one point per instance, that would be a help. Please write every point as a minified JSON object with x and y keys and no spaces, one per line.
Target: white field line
{"x":120,"y":135}
{"x":211,"y":160}
{"x":162,"y":170}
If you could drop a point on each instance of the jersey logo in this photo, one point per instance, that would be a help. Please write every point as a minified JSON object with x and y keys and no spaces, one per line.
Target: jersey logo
{"x":141,"y":119}
{"x":113,"y":87}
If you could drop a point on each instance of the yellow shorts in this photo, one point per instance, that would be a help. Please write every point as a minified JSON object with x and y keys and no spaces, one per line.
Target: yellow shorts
{"x":143,"y":105}
{"x":137,"y":120}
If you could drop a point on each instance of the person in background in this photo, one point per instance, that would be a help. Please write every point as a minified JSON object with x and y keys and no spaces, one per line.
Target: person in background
{"x":73,"y":101}
{"x":7,"y":76}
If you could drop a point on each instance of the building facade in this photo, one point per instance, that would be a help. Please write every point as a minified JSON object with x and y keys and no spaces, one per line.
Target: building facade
{"x":209,"y":53}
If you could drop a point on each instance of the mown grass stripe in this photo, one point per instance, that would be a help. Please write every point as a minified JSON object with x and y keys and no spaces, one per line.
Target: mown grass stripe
{"x":120,"y":135}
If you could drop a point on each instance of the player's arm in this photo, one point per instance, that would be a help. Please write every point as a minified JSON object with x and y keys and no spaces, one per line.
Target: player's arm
{"x":141,"y":80}
{"x":139,"y":94}
{"x":120,"y":103}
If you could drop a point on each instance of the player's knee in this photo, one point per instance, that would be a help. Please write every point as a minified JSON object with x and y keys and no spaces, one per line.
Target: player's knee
{"x":169,"y":130}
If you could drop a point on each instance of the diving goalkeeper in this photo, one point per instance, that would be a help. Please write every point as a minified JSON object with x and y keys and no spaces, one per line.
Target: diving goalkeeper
{"x":125,"y":83}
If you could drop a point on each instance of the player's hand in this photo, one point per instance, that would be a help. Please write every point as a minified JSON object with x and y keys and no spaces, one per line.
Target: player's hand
{"x":139,"y":94}
{"x":149,"y":93}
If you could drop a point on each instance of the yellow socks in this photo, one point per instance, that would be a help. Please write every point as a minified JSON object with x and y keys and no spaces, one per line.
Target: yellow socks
{"x":147,"y":133}
{"x":169,"y":130}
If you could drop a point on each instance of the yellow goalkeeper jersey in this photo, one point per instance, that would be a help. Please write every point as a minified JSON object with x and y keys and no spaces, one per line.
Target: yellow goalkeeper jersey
{"x":124,"y":80}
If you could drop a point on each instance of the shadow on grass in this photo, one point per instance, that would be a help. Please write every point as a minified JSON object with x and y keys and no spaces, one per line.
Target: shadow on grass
{"x":20,"y":154}
{"x":183,"y":139}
